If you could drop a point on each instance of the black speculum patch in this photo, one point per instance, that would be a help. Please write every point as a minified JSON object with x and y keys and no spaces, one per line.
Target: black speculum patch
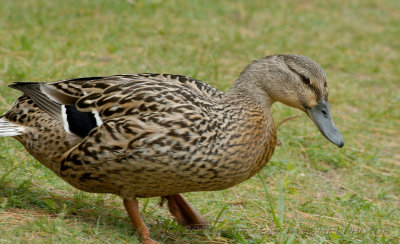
{"x":80,"y":123}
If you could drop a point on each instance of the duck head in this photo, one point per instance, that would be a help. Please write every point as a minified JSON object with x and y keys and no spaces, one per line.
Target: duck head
{"x":296,"y":81}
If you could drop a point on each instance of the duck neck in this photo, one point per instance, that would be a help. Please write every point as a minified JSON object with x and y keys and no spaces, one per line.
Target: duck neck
{"x":247,"y":93}
{"x":254,"y":127}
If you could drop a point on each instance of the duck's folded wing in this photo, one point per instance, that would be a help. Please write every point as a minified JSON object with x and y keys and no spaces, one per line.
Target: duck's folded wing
{"x":83,"y":104}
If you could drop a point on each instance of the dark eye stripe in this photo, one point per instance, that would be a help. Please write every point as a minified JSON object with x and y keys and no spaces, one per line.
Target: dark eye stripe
{"x":306,"y":80}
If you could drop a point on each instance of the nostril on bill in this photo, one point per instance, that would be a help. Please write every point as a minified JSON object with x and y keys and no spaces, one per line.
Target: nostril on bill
{"x":324,"y":113}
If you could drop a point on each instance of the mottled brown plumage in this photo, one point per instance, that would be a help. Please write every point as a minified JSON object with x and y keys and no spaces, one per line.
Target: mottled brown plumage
{"x":153,"y":135}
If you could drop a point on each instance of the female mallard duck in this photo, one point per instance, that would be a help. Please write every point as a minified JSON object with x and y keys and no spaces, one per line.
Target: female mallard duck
{"x":147,"y":135}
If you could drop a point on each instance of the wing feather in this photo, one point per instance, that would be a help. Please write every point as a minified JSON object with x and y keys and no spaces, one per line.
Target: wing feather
{"x":34,"y":91}
{"x":103,"y":98}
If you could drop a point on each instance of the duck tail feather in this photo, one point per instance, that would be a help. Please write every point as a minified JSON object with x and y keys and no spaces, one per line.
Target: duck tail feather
{"x":8,"y":128}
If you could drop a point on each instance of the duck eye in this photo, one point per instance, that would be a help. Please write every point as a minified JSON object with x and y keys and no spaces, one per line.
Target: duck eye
{"x":306,"y":79}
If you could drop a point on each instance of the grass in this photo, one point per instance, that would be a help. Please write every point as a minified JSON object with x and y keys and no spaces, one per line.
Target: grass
{"x":310,"y":191}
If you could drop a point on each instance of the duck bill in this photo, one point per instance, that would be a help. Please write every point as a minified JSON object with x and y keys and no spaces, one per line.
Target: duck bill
{"x":321,"y":117}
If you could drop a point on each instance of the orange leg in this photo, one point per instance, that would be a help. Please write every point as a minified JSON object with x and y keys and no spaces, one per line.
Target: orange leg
{"x":184,"y":213}
{"x":132,"y":207}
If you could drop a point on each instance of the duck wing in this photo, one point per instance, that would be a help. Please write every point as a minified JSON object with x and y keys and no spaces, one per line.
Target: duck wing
{"x":84,"y":103}
{"x":149,"y":127}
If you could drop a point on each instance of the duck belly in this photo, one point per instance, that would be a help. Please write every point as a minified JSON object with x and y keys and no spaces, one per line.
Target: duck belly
{"x":130,"y":179}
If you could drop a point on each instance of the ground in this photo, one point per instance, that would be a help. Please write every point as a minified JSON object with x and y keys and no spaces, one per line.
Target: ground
{"x":311,"y":191}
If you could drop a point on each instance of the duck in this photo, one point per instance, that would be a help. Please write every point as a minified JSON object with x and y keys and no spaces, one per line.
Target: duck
{"x":160,"y":135}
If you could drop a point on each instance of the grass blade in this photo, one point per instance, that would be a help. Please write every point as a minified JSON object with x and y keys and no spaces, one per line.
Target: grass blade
{"x":281,"y":204}
{"x":269,"y":200}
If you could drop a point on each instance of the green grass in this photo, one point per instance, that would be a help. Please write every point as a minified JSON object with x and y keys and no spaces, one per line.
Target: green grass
{"x":317,"y":192}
